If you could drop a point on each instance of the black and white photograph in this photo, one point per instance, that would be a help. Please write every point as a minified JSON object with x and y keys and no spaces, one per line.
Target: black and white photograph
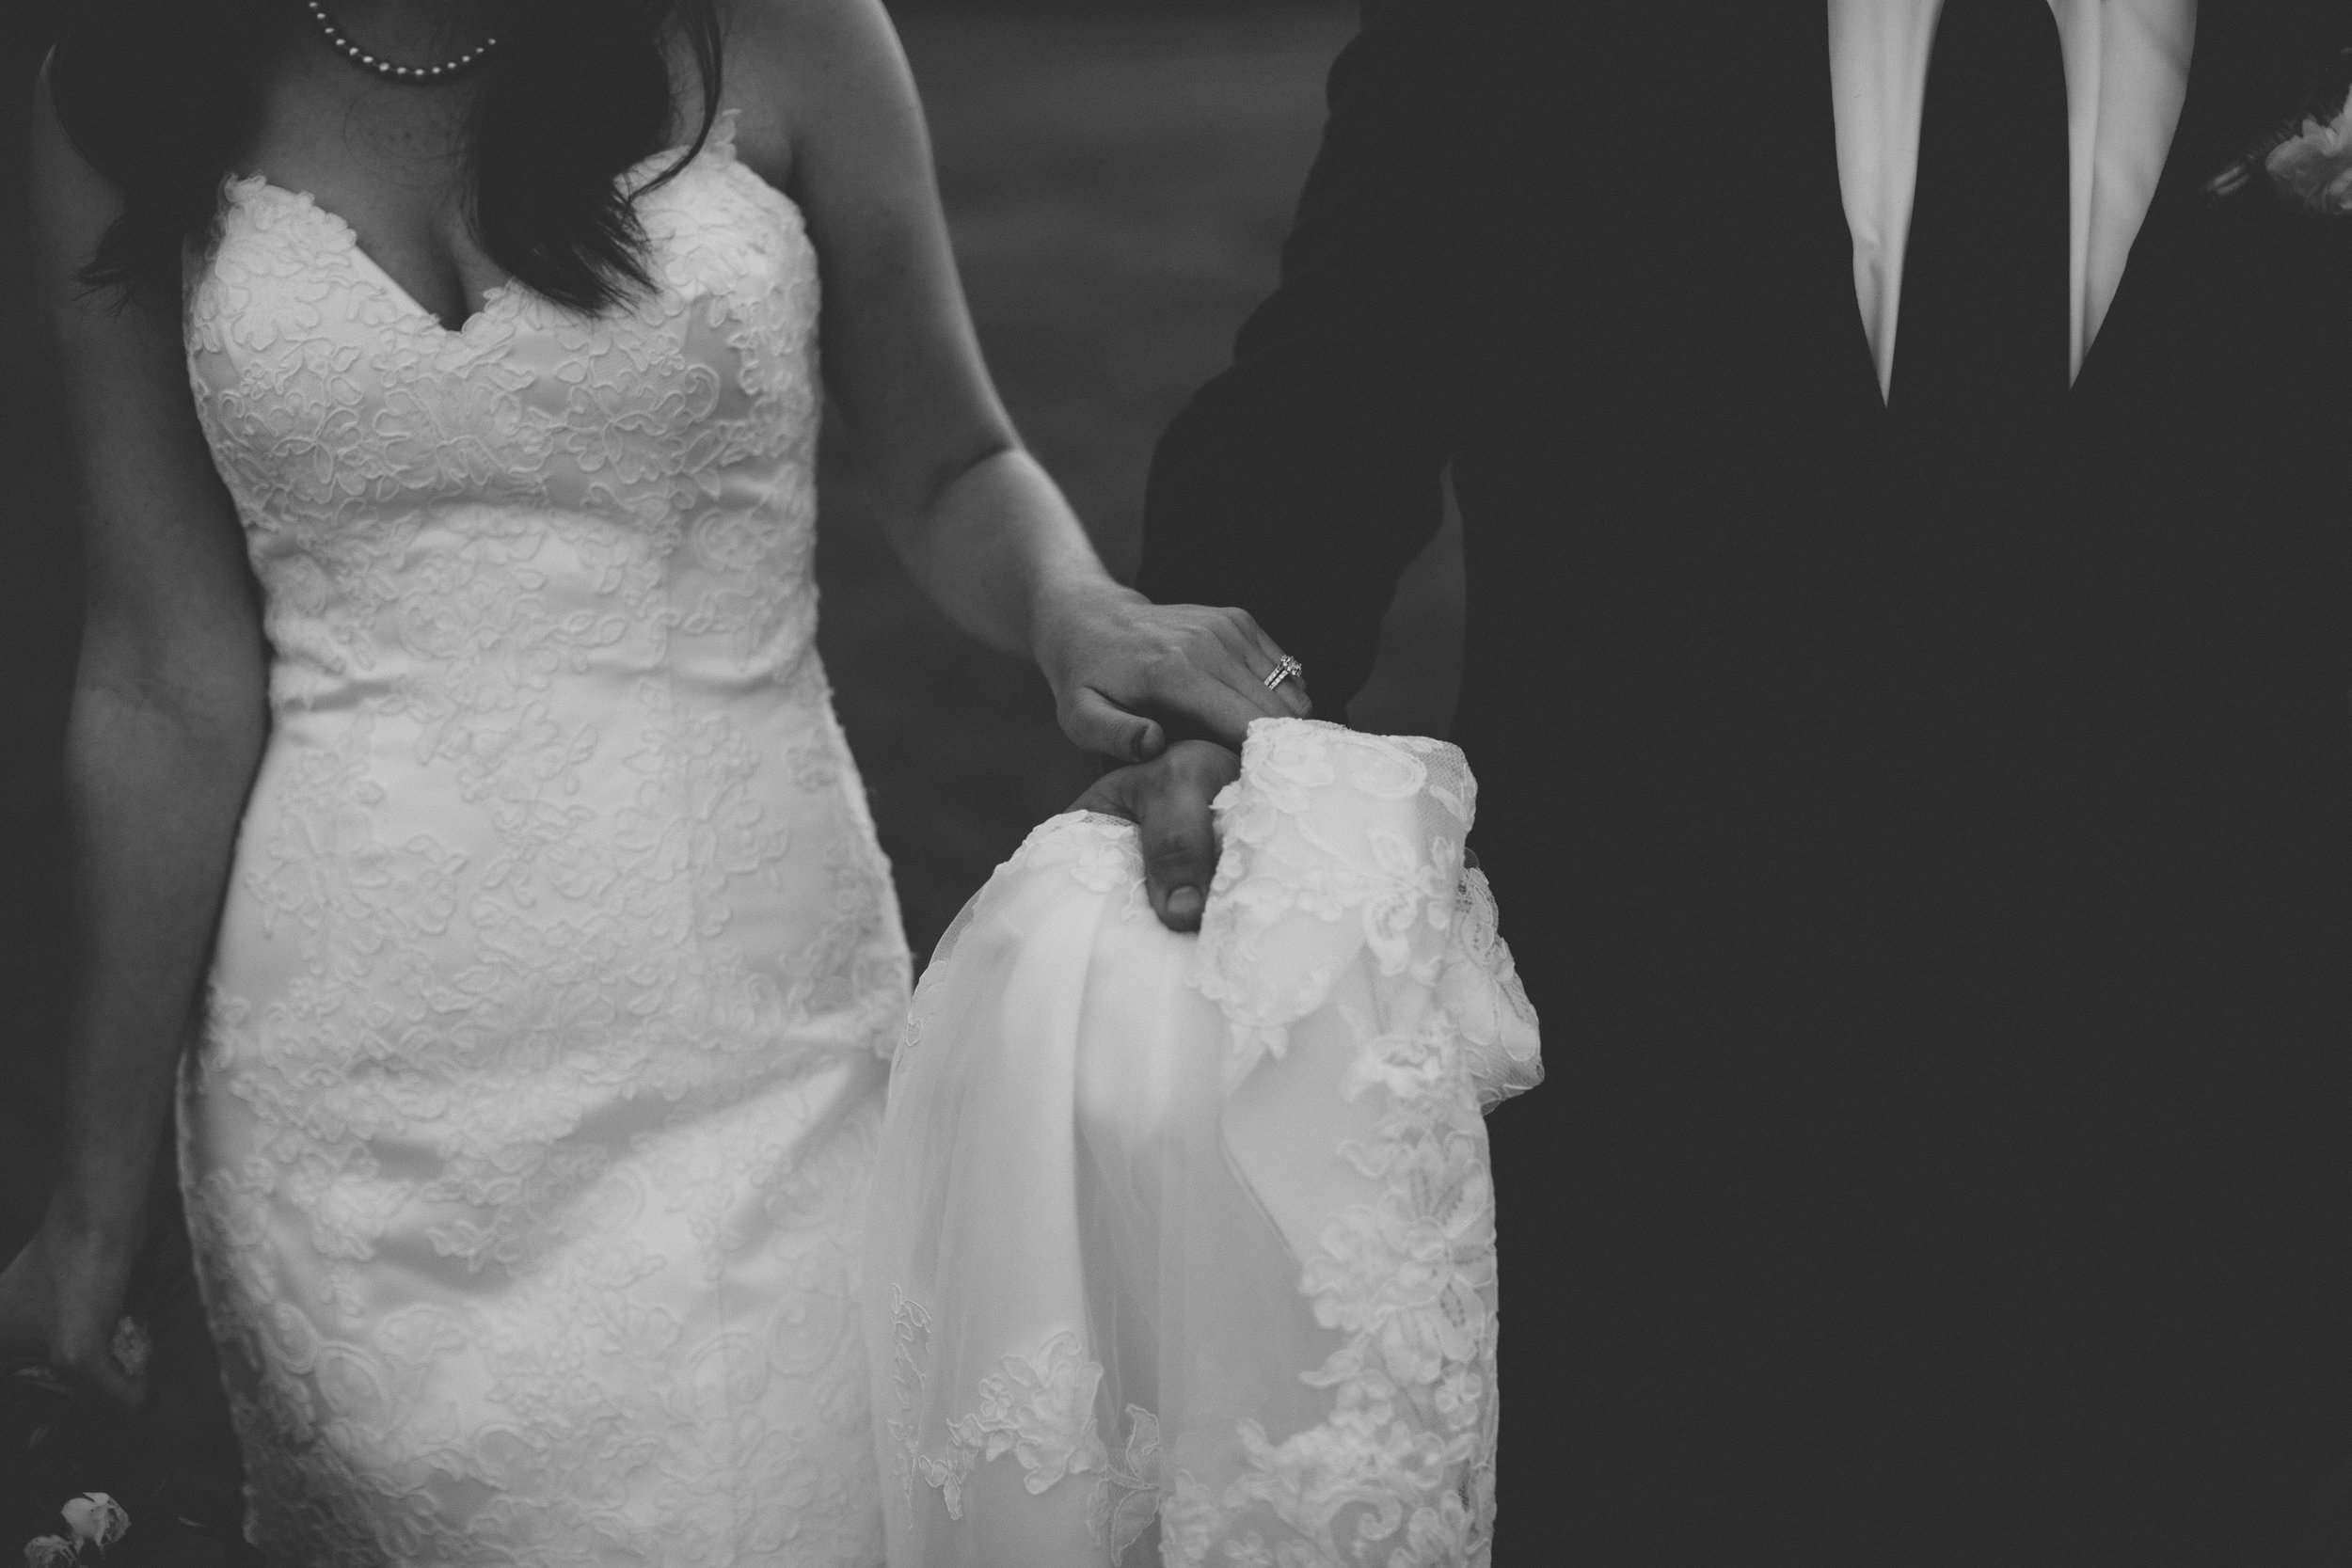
{"x":1225,"y":783}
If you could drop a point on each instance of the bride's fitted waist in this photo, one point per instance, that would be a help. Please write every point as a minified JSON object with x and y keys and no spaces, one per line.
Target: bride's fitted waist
{"x":478,"y":603}
{"x":696,"y":866}
{"x":575,"y":783}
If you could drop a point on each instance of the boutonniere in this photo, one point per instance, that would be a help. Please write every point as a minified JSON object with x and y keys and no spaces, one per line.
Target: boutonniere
{"x":2314,"y":166}
{"x":2308,"y":157}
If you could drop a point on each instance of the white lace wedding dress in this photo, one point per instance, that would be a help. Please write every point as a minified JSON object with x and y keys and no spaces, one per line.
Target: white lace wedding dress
{"x":1182,"y":1250}
{"x":528,"y":1139}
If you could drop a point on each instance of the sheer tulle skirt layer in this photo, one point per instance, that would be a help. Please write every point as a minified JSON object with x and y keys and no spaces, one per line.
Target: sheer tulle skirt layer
{"x":1182,"y":1249}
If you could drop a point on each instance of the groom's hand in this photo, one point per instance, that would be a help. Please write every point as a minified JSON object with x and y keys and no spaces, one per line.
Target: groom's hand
{"x":1168,"y":798}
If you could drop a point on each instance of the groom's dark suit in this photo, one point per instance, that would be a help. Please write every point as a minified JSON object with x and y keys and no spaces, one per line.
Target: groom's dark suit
{"x":1930,"y":851}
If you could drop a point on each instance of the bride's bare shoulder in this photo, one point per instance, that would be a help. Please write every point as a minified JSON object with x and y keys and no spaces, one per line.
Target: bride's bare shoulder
{"x":788,"y":66}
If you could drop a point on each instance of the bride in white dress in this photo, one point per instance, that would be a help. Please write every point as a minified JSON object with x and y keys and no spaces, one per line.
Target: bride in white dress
{"x":453,"y":767}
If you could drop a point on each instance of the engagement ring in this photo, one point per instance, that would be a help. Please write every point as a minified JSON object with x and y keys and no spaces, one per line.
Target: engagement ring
{"x":1285,"y":671}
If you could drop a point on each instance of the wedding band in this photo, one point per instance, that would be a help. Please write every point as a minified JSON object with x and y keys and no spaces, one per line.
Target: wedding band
{"x":1284,"y":670}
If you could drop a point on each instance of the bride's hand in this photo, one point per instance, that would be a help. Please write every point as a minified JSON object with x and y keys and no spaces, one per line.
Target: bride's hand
{"x":61,"y":1299}
{"x":1114,"y":658}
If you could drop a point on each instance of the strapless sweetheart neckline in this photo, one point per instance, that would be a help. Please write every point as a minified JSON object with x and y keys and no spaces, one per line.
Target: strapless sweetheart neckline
{"x":240,"y":187}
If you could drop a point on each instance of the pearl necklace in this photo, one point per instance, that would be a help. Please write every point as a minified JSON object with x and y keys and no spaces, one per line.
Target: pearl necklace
{"x":412,"y":75}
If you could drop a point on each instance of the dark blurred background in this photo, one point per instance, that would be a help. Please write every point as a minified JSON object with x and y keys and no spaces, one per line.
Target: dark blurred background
{"x":1119,"y":176}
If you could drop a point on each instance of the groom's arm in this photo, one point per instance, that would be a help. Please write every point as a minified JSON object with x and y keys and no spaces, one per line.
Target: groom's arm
{"x":1301,"y":483}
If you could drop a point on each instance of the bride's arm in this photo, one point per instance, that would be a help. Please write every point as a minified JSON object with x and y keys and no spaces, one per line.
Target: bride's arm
{"x":980,"y":526}
{"x":168,"y":720}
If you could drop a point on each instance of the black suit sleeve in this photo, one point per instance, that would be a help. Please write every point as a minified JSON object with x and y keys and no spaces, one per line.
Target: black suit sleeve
{"x":1301,"y":483}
